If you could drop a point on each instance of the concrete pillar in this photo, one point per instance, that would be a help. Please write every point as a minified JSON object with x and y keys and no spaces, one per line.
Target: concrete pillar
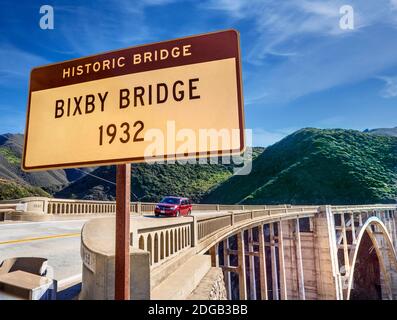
{"x":299,"y":261}
{"x":283,"y":282}
{"x":274,"y":263}
{"x":214,"y":255}
{"x":360,"y":219}
{"x":262,"y":263}
{"x":241,"y":264}
{"x":226,"y":263}
{"x":251,"y":268}
{"x":326,"y":259}
{"x":345,"y":248}
{"x":353,"y":227}
{"x":393,"y":228}
{"x":98,"y":257}
{"x":393,"y":218}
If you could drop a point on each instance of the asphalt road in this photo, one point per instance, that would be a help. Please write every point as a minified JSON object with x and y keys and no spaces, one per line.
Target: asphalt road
{"x":58,"y":241}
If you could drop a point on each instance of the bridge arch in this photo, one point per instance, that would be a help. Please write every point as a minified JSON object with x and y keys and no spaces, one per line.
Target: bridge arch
{"x":368,"y":228}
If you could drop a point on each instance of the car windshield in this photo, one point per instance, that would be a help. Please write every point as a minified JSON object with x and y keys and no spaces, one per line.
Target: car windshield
{"x":170,"y":200}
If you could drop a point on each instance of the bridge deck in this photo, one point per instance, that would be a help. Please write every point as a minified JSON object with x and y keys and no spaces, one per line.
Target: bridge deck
{"x":59,"y":241}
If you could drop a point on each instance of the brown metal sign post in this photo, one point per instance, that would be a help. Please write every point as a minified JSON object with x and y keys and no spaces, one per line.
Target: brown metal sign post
{"x":122,"y":267}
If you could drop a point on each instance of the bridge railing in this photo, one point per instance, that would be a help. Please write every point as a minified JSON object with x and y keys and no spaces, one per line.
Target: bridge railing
{"x":8,"y":208}
{"x":209,"y":225}
{"x":54,"y":206}
{"x":166,"y":239}
{"x":163,"y":241}
{"x":205,"y":207}
{"x":358,"y":208}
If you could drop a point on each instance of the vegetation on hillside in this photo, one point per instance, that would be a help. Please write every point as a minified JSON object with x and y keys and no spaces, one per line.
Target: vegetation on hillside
{"x":14,"y":190}
{"x":310,"y":166}
{"x":313,"y":166}
{"x":10,"y":155}
{"x":151,"y":182}
{"x":11,"y":146}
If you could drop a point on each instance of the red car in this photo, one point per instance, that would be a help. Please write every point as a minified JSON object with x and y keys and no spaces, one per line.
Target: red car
{"x":173,"y":206}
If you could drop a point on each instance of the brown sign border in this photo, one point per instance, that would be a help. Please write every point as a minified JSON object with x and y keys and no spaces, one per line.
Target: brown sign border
{"x":43,"y":81}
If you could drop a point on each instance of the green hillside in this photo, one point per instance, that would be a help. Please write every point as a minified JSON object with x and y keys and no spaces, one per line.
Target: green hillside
{"x":14,"y":190}
{"x":150,"y":182}
{"x":310,"y":166}
{"x":313,"y":166}
{"x":11,"y":146}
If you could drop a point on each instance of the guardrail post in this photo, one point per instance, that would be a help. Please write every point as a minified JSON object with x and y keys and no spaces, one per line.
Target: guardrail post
{"x":194,"y":228}
{"x":139,"y":207}
{"x":231,"y":218}
{"x":45,"y":206}
{"x":217,"y":207}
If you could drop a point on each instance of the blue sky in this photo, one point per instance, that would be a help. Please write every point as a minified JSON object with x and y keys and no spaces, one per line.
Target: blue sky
{"x":300,"y":69}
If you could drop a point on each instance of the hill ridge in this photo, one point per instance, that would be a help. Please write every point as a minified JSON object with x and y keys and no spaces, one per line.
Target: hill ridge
{"x":313,"y":166}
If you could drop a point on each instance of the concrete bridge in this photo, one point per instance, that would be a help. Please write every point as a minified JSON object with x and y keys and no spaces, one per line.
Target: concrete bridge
{"x":239,"y":252}
{"x":286,"y":252}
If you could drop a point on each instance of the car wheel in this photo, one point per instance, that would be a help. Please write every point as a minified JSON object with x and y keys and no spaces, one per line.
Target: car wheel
{"x":157,"y":214}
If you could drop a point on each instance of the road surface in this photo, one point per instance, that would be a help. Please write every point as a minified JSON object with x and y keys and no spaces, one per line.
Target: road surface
{"x":58,"y":241}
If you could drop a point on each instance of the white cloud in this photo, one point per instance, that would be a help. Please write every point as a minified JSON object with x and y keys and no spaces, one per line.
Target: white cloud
{"x":390,"y":88}
{"x":311,"y":52}
{"x":16,"y":69}
{"x":124,"y":24}
{"x":156,"y":2}
{"x":235,"y":8}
